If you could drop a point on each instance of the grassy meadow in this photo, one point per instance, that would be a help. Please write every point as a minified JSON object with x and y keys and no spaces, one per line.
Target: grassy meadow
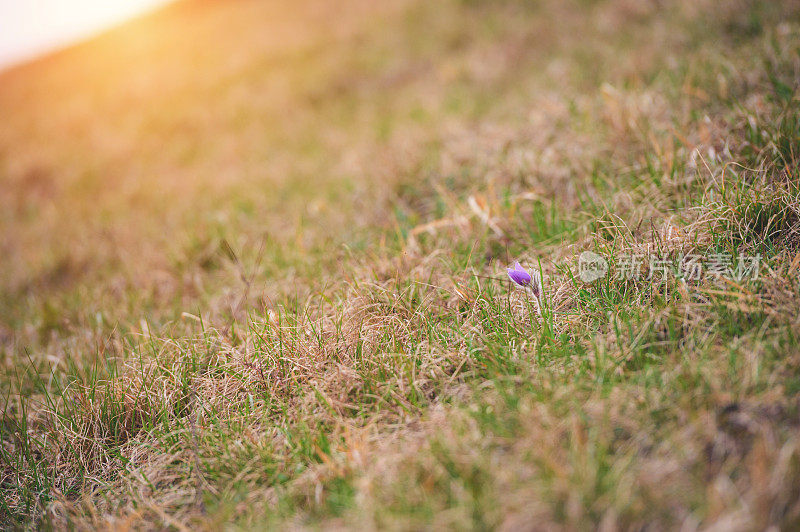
{"x":253,"y":268}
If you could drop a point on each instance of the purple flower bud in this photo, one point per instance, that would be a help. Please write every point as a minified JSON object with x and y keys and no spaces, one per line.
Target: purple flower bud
{"x":519,"y":275}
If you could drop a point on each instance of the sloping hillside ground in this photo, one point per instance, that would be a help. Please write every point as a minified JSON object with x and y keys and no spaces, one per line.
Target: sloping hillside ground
{"x":253,"y":268}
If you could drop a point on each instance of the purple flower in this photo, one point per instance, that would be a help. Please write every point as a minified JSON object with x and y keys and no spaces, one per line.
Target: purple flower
{"x":519,"y":275}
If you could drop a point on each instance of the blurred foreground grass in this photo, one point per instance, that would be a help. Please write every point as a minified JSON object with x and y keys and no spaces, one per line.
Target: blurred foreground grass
{"x":253,"y":268}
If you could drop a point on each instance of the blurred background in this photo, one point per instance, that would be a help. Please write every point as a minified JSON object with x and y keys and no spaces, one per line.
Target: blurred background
{"x":33,"y":27}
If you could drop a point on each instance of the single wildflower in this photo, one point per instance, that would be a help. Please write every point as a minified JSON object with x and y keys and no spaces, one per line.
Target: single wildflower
{"x":520,"y":276}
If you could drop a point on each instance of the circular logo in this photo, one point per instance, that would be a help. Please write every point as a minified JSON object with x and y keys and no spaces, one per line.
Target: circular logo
{"x":591,"y":266}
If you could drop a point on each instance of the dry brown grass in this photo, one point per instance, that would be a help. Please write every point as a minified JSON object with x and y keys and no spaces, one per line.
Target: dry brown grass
{"x":259,"y":283}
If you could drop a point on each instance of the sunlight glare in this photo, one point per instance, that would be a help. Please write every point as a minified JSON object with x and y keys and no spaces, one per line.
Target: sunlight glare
{"x":32,"y":27}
